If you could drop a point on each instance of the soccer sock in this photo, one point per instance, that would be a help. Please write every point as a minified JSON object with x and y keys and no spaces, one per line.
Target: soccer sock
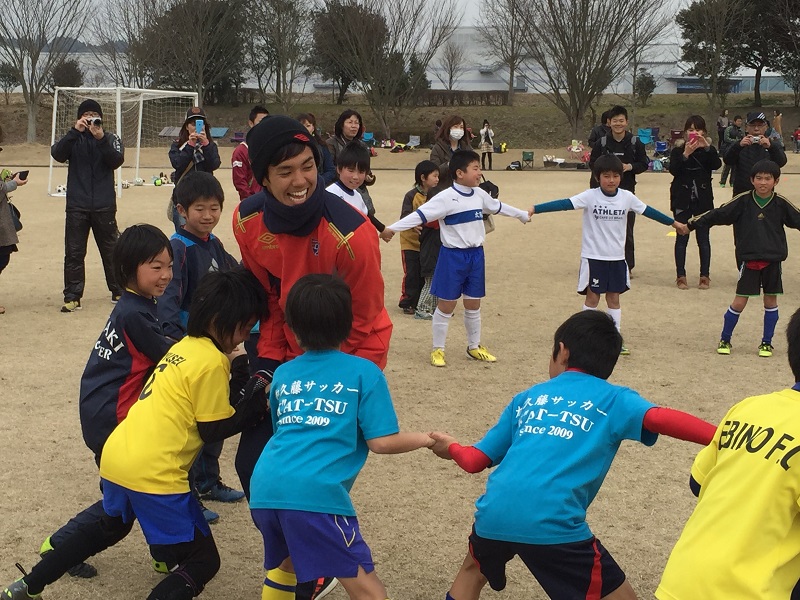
{"x":770,"y":320}
{"x":279,"y":585}
{"x":616,"y":314}
{"x":472,"y":323}
{"x":729,"y":322}
{"x":584,"y":307}
{"x":441,"y":322}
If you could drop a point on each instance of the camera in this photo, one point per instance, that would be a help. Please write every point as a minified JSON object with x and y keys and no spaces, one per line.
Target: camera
{"x":94,"y":121}
{"x":756,"y":139}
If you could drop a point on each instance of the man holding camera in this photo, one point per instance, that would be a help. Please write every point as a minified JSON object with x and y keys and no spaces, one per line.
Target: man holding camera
{"x":93,"y":155}
{"x":753,"y":147}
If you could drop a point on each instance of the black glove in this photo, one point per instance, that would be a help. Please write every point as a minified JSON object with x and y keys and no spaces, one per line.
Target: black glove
{"x":253,"y":402}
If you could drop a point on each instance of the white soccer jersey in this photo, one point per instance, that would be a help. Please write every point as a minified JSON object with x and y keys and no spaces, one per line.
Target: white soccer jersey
{"x":604,"y":221}
{"x":352,"y":197}
{"x":459,"y":210}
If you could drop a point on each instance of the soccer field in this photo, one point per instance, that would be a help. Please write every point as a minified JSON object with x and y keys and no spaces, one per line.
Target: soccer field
{"x":415,"y":509}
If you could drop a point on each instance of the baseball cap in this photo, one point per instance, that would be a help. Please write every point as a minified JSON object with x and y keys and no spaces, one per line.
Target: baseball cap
{"x":756,"y":116}
{"x":195,"y":113}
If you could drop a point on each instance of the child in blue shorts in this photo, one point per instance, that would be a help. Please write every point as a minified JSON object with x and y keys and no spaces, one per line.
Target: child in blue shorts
{"x":329,"y":409}
{"x":551,"y":449}
{"x":603,"y":267}
{"x":460,"y":268}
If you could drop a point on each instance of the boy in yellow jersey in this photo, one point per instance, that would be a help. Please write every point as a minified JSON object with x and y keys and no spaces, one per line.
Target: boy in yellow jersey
{"x":742,"y":541}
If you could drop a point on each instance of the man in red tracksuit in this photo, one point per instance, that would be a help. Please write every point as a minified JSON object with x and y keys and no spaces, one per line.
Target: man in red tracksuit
{"x":242,"y":173}
{"x":293,"y":227}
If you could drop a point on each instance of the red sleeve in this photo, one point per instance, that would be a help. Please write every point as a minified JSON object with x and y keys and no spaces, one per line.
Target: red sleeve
{"x":469,"y":458}
{"x":241,"y":172}
{"x":678,"y":424}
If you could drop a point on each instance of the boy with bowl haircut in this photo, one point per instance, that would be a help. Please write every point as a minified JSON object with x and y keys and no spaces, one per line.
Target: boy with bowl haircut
{"x":460,"y":268}
{"x":758,"y":217}
{"x":552,"y":448}
{"x":352,"y":166}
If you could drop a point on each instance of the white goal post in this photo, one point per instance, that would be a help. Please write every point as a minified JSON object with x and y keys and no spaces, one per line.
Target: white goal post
{"x":141,"y":118}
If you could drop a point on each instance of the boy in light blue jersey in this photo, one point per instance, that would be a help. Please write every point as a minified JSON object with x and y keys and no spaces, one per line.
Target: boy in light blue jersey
{"x":603,"y":266}
{"x":329,"y":409}
{"x":551,"y":449}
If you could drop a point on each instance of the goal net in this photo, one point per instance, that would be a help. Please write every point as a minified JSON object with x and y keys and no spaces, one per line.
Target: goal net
{"x":141,"y":118}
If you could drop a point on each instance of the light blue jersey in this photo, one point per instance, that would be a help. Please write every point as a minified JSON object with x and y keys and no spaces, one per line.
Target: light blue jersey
{"x":553,"y":446}
{"x":324,"y":405}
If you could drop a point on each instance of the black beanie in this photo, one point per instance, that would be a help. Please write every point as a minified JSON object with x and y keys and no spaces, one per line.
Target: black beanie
{"x":89,"y":105}
{"x":270,"y":135}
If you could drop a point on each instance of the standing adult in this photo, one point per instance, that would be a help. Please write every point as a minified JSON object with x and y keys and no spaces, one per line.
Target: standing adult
{"x":327,"y":170}
{"x":8,"y":231}
{"x":349,"y":128}
{"x":450,"y":137}
{"x":722,"y":123}
{"x":93,"y":154}
{"x":777,"y":123}
{"x":753,"y":147}
{"x":487,"y":144}
{"x":193,"y":151}
{"x":241,"y":172}
{"x":733,"y":133}
{"x":294,"y":227}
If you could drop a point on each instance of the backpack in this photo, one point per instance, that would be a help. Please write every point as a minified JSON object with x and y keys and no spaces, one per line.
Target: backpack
{"x":514,"y":166}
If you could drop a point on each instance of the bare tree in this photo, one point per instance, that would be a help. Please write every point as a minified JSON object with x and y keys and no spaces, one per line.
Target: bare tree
{"x":578,"y":48}
{"x":8,"y":80}
{"x":710,"y":29}
{"x":501,"y":28}
{"x":452,"y":64}
{"x":787,"y":24}
{"x":36,"y":36}
{"x":393,"y":74}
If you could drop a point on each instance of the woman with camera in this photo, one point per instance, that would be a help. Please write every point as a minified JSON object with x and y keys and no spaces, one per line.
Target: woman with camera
{"x":8,"y":227}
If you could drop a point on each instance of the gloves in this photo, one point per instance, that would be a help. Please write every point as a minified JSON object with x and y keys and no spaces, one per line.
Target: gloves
{"x":253,"y":397}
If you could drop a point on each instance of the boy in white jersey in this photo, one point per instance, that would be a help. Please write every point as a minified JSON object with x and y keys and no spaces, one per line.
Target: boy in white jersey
{"x":460,"y":269}
{"x":351,"y":169}
{"x":603,"y":267}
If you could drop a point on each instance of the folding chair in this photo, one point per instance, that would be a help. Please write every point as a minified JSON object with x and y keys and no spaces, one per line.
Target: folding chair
{"x":527,"y":159}
{"x":368,"y":138}
{"x":645,"y":135}
{"x":575,"y":149}
{"x":238,"y":137}
{"x":655,"y":131}
{"x":674,"y":136}
{"x":413,"y":142}
{"x":219,"y":132}
{"x":662,"y":148}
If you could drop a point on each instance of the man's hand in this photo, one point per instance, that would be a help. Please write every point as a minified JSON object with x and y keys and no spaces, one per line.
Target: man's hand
{"x":765,"y":141}
{"x":627,"y":167}
{"x":746,"y":141}
{"x":81,"y":125}
{"x":97,"y":131}
{"x":386,"y":235}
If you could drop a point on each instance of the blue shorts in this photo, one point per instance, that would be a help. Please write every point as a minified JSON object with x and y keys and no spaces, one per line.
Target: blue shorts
{"x":319,"y":544}
{"x":459,"y":271}
{"x":601,"y":276}
{"x":165,"y":518}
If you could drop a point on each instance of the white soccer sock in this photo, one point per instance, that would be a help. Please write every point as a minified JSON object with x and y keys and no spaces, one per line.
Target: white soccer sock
{"x":441,"y":321}
{"x":588,"y":307}
{"x":616,"y":314}
{"x":472,"y":323}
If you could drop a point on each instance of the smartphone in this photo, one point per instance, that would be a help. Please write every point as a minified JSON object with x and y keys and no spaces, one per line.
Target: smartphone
{"x":692,"y":136}
{"x":23,"y":175}
{"x":199,"y":125}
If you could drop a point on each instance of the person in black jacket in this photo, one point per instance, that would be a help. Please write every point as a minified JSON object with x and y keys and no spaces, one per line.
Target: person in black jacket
{"x":755,"y":146}
{"x":759,"y":217}
{"x":691,"y":162}
{"x":620,"y":142}
{"x":93,"y":154}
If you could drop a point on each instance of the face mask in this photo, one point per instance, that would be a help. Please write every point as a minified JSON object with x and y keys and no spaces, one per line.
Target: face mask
{"x":456,"y":134}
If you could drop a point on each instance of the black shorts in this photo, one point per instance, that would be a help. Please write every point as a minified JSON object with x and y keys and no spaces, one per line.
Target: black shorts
{"x":603,"y":276}
{"x":565,"y":571}
{"x":752,"y":281}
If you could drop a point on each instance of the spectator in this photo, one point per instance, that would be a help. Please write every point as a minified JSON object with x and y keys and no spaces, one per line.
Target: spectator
{"x":450,"y":137}
{"x":487,"y":144}
{"x":327,"y":169}
{"x":242,"y":173}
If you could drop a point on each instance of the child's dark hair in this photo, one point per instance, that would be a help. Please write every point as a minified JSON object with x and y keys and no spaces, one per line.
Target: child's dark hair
{"x":604,"y":117}
{"x":137,"y":245}
{"x":224,"y":301}
{"x":607,"y":162}
{"x":462,"y":159}
{"x":617,"y":111}
{"x":288,"y":152}
{"x":337,"y":128}
{"x":766,"y":166}
{"x":196,"y":185}
{"x":353,"y":155}
{"x":593,"y":342}
{"x":695,"y":121}
{"x":737,"y":118}
{"x":793,"y":344}
{"x":423,"y":169}
{"x":257,"y":110}
{"x":319,"y":310}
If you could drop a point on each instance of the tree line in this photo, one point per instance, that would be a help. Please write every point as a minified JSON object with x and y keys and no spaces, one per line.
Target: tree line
{"x":570,"y":52}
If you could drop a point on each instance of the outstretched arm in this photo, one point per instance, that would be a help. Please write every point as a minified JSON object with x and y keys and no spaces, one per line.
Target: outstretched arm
{"x":678,"y":424}
{"x":657,"y":215}
{"x":397,"y":443}
{"x":468,"y":458}
{"x":555,"y":205}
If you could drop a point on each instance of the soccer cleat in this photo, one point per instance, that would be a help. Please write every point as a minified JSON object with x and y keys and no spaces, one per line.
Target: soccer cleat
{"x":624,"y":351}
{"x":81,"y":570}
{"x":765,"y":350}
{"x":480,"y":353}
{"x":423,"y":315}
{"x":724,"y":347}
{"x":437,"y":357}
{"x":18,"y":591}
{"x":210,"y":515}
{"x":316,"y":589}
{"x":408,"y":310}
{"x":71,"y":306}
{"x":220,"y":492}
{"x":721,"y":184}
{"x":159,"y":567}
{"x":704,"y":284}
{"x":682,"y":283}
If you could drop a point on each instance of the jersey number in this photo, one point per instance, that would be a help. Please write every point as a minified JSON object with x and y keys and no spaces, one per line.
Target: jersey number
{"x":148,"y":387}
